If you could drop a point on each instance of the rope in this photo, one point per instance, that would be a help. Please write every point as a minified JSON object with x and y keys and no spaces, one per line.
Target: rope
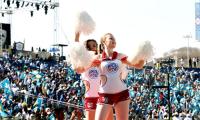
{"x":55,"y":101}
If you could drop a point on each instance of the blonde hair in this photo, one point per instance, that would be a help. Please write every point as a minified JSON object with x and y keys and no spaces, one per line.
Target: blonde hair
{"x":102,"y":40}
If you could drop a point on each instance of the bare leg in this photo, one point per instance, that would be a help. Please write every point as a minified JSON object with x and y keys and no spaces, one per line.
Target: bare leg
{"x":90,"y":114}
{"x":102,"y":111}
{"x":122,"y":110}
{"x":73,"y":116}
{"x":110,"y":115}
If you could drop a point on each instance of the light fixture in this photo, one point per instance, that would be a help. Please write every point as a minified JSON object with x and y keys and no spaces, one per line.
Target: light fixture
{"x":8,"y":3}
{"x":45,"y":9}
{"x":17,"y":4}
{"x":31,"y":13}
{"x":27,"y":4}
{"x":23,"y":4}
{"x":37,"y":6}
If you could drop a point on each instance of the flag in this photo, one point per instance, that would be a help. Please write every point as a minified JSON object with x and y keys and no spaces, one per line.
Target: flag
{"x":39,"y":102}
{"x":52,"y":117}
{"x":132,"y":94}
{"x":3,"y":114}
{"x":5,"y":85}
{"x":197,"y":20}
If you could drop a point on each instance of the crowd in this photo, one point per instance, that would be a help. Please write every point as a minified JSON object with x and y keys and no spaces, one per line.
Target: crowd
{"x":42,"y":89}
{"x":151,"y":102}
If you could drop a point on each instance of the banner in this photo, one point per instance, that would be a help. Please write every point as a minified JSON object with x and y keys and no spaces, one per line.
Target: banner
{"x":5,"y":35}
{"x":197,"y":20}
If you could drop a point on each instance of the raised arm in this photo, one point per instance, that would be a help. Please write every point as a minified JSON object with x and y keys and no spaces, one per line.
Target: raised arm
{"x":138,"y":65}
{"x":77,"y":36}
{"x":95,"y":63}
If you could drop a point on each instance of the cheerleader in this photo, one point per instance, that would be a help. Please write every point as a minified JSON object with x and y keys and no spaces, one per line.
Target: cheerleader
{"x":91,"y":80}
{"x":113,"y":91}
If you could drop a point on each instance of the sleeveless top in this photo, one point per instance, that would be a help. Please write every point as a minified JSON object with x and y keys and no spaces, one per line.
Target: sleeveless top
{"x":92,"y":78}
{"x":111,"y":71}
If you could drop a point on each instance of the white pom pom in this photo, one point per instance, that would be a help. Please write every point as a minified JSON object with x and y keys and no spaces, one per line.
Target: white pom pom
{"x":143,"y":52}
{"x":79,"y":55}
{"x":84,"y":23}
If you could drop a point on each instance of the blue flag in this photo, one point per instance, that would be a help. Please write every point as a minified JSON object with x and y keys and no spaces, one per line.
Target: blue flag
{"x":39,"y":102}
{"x":5,"y":85}
{"x":3,"y":114}
{"x":132,"y":94}
{"x":52,"y":117}
{"x":22,"y":76}
{"x":197,"y":20}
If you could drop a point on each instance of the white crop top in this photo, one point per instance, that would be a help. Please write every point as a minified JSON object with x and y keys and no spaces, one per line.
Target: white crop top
{"x":111,"y":70}
{"x":92,"y":76}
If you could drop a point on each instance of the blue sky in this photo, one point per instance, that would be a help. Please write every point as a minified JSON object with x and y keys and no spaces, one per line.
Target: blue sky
{"x":163,"y":22}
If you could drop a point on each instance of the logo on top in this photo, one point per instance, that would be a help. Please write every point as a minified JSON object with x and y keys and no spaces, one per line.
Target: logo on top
{"x":93,"y":73}
{"x":112,"y":67}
